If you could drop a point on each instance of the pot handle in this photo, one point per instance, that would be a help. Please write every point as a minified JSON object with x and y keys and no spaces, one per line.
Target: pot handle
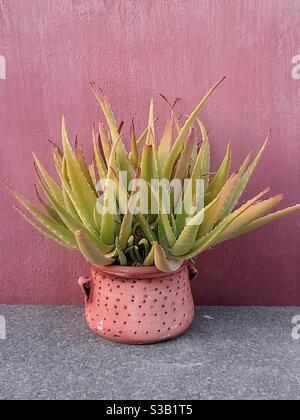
{"x":85,"y":285}
{"x":193,"y":272}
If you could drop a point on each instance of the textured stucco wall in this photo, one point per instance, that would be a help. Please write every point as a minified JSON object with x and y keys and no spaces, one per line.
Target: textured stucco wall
{"x":134,"y":49}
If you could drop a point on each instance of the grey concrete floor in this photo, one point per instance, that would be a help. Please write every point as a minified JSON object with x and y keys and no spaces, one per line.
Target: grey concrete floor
{"x":229,"y":353}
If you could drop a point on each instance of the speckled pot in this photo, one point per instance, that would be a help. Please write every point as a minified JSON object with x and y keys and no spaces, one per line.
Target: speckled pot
{"x":138,"y":305}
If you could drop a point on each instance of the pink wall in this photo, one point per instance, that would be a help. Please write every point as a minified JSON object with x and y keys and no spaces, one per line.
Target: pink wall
{"x":135,"y":49}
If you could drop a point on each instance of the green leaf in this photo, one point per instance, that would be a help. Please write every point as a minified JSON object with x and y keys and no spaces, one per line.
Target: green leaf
{"x":139,"y":258}
{"x":148,"y":171}
{"x":93,"y":173}
{"x":163,"y":263}
{"x":188,"y":236}
{"x":108,"y":219}
{"x":90,"y":250}
{"x":68,"y":203}
{"x":149,"y":260}
{"x":145,"y":244}
{"x":146,"y":228}
{"x":199,"y":168}
{"x":203,"y":222}
{"x":131,"y":250}
{"x":150,"y":134}
{"x":163,"y":217}
{"x":105,"y":142}
{"x":142,"y":138}
{"x":107,"y":111}
{"x":57,"y":155}
{"x":83,"y":165}
{"x":178,"y":145}
{"x":50,"y":210}
{"x":211,"y":238}
{"x":190,"y":206}
{"x":81,"y":189}
{"x":244,"y":179}
{"x":134,"y":157}
{"x":183,"y":165}
{"x":71,"y":222}
{"x":266,"y":219}
{"x":172,"y":110}
{"x":54,"y":188}
{"x":101,"y":167}
{"x":47,"y":224}
{"x":221,"y":176}
{"x":162,"y":237}
{"x":124,"y":196}
{"x":214,"y":212}
{"x":60,"y":238}
{"x":245,"y":164}
{"x":122,"y":157}
{"x":71,"y":205}
{"x":251,"y":214}
{"x":165,"y":142}
{"x":204,"y":155}
{"x":126,"y":226}
{"x":121,"y":254}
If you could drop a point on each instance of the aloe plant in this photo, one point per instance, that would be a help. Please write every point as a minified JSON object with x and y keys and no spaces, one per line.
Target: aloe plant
{"x":72,"y":212}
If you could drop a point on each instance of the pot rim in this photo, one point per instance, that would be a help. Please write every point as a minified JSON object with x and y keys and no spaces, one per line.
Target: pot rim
{"x":136,"y":272}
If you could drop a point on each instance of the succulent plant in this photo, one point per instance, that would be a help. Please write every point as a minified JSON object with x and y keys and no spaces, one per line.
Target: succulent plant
{"x":73,"y":210}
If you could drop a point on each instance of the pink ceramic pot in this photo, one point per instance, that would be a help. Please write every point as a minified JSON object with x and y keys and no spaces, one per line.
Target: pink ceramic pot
{"x":138,"y":305}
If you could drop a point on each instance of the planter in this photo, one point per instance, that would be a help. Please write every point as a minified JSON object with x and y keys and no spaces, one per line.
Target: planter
{"x":138,"y":305}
